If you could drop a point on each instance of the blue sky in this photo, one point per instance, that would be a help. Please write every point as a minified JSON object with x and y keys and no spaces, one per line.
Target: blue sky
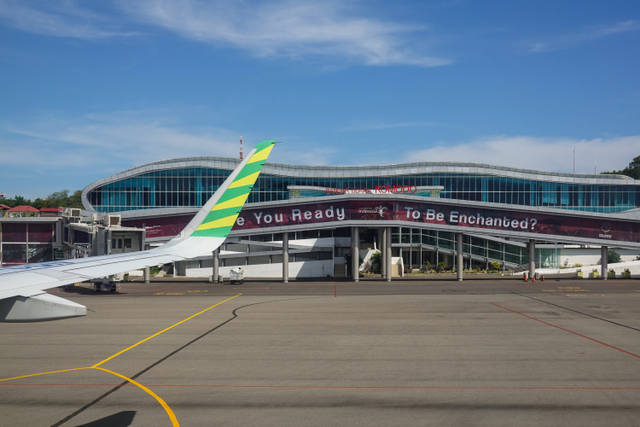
{"x":89,"y":88}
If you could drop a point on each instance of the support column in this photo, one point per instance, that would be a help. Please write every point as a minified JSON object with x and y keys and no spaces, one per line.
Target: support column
{"x":383,"y":248}
{"x":215,"y":277}
{"x":387,"y":256}
{"x":410,"y":249}
{"x":532,"y":258}
{"x":147,"y":275}
{"x":421,"y":261}
{"x":355,"y":254}
{"x":459,"y":260}
{"x":604,"y":253}
{"x":285,"y":257}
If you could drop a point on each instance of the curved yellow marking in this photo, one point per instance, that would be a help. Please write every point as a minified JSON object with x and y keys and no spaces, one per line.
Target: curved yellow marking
{"x":44,"y":373}
{"x":247,"y":180}
{"x":227,"y":221}
{"x":164,"y":330}
{"x":172,"y":416}
{"x":231,"y":203}
{"x":261,"y":155}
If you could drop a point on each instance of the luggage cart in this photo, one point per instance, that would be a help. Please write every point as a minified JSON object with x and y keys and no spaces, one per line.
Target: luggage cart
{"x":236,"y":277}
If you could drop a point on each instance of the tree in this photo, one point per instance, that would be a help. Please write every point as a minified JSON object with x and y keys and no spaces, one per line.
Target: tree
{"x":54,"y":200}
{"x":376,"y":262}
{"x":633,"y":170}
{"x":613,"y":257}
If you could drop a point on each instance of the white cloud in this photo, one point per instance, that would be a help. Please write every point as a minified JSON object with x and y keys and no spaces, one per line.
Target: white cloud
{"x":568,"y":41}
{"x":119,"y":140}
{"x":331,"y":29}
{"x":48,"y":153}
{"x":292,"y":28}
{"x":544,"y":154}
{"x":291,"y":153}
{"x":59,"y":19}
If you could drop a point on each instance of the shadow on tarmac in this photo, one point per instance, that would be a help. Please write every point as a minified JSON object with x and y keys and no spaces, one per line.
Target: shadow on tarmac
{"x":121,"y":419}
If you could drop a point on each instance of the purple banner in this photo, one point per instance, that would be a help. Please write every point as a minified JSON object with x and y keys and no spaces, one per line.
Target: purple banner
{"x":160,"y":227}
{"x":411,"y":212}
{"x":427,"y":213}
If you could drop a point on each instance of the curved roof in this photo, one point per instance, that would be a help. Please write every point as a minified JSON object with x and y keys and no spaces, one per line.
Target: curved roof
{"x":363,"y":171}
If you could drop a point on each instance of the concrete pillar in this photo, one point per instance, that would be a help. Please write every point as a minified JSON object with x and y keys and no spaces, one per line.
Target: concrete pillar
{"x":383,"y":248}
{"x":215,"y":277}
{"x":388,"y":254}
{"x":459,"y":260}
{"x":147,"y":275}
{"x":285,"y":257}
{"x":604,"y":250}
{"x":532,"y":258}
{"x":355,"y":254}
{"x":410,"y":249}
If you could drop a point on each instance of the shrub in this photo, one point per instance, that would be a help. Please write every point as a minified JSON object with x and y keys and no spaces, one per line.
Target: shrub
{"x":376,"y":262}
{"x":613,"y":257}
{"x":440,"y":267}
{"x":495,"y":265}
{"x":426,"y":266}
{"x":577,"y":264}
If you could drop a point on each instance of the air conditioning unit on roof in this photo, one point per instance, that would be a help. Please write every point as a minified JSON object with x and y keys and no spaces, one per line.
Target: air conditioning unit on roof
{"x":113,"y":221}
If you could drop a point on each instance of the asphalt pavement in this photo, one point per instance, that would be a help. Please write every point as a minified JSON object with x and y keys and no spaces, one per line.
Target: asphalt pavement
{"x":423,"y":351}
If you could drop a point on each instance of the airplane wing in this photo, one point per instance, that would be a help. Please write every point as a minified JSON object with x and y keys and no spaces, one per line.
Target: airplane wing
{"x":22,"y":296}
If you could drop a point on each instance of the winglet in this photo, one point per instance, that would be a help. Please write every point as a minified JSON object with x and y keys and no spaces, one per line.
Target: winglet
{"x":222,"y":213}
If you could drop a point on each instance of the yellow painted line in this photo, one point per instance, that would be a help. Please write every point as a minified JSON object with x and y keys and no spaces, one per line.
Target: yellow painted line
{"x":44,"y":373}
{"x":172,"y":416}
{"x":164,"y":330}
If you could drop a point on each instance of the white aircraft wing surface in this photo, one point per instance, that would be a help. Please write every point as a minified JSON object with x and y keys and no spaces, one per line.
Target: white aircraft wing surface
{"x":22,"y":296}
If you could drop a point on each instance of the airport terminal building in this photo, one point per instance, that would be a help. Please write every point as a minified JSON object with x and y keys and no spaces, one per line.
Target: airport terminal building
{"x":308,"y":217}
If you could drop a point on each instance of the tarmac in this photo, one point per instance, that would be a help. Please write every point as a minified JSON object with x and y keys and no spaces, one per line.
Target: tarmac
{"x":422,"y":351}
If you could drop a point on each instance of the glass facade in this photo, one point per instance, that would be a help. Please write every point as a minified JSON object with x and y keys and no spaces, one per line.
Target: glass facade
{"x":191,"y":187}
{"x":479,"y":250}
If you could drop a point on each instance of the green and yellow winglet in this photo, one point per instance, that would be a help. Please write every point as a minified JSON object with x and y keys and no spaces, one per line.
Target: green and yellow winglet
{"x":212,"y":224}
{"x":219,"y":214}
{"x":222,"y":216}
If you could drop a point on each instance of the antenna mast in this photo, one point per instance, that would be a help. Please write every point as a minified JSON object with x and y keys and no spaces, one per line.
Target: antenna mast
{"x":241,"y":155}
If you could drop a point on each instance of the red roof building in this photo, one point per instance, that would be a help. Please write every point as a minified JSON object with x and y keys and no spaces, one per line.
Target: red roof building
{"x":22,"y":210}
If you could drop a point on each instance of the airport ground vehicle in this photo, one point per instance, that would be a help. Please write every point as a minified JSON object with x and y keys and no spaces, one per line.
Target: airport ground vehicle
{"x":236,"y":276}
{"x":105,"y":284}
